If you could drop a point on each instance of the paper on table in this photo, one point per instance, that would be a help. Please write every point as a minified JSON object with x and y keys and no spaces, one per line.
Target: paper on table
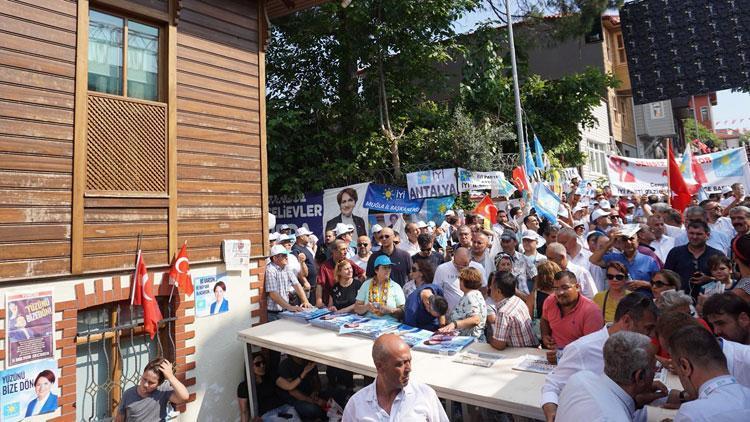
{"x":531,"y":363}
{"x":483,"y":359}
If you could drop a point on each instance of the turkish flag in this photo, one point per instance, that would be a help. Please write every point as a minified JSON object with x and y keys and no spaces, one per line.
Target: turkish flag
{"x":142,"y":294}
{"x":179,"y":275}
{"x":520,"y":180}
{"x":680,"y":193}
{"x":487,"y":209}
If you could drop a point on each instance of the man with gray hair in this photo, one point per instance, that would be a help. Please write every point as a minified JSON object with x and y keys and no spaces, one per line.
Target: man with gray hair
{"x":626,"y":384}
{"x":392,"y":396}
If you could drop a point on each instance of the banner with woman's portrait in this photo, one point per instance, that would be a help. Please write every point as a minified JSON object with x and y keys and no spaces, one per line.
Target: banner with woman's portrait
{"x":29,"y":390}
{"x":346,"y":205}
{"x":29,"y":330}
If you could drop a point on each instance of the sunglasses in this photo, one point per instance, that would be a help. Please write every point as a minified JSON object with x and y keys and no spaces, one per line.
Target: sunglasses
{"x":361,"y":245}
{"x":618,"y":277}
{"x":259,"y":363}
{"x":659,"y":284}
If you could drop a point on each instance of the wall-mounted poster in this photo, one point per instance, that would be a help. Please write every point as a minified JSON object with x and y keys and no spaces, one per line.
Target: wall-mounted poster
{"x":28,"y":390}
{"x":346,"y":205}
{"x":211,"y":295}
{"x":30,"y":329}
{"x":236,"y":254}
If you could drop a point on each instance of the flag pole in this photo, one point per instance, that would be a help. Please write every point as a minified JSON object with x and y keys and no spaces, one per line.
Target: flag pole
{"x":669,"y":179}
{"x":135,"y":271}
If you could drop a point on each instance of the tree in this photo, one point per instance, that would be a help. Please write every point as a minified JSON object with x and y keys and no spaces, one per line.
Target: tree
{"x":702,"y":134}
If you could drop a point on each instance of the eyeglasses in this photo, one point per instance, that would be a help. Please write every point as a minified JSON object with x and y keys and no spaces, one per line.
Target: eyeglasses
{"x":259,"y":363}
{"x":362,"y":245}
{"x":618,"y":277}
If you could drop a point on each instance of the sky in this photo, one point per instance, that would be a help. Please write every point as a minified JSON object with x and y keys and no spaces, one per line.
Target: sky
{"x":731,"y":106}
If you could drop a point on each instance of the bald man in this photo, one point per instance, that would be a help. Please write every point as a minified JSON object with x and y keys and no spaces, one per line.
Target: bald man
{"x":391,"y":396}
{"x":446,"y":276}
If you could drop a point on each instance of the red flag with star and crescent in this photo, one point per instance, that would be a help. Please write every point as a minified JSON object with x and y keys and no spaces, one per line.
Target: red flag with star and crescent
{"x":487,"y":209}
{"x":142,"y":289}
{"x":179,"y":273}
{"x":679,"y":189}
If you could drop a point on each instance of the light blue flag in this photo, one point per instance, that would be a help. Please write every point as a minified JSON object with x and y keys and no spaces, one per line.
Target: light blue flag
{"x":530,"y":168}
{"x":539,"y":153}
{"x":545,"y":202}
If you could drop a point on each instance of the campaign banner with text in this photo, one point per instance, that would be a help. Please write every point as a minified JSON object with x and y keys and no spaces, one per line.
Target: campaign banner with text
{"x":494,"y":181}
{"x":299,"y":211}
{"x":432,"y":183}
{"x":649,"y":176}
{"x":30,"y":327}
{"x":390,"y":198}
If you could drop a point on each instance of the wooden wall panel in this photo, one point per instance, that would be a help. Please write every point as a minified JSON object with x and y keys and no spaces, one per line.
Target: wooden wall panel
{"x":218,"y":143}
{"x":37,"y":71}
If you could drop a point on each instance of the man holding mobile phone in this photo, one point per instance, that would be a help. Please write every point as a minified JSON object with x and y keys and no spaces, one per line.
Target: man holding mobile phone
{"x":691,"y":261}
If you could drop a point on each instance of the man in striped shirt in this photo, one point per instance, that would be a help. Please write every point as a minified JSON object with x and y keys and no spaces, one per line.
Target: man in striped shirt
{"x":512,"y":325}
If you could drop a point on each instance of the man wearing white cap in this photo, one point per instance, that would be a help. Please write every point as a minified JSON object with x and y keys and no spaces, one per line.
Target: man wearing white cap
{"x":295,"y":263}
{"x":344,"y":232}
{"x":600,"y":219}
{"x":301,"y":250}
{"x":530,"y":242}
{"x":375,"y":237}
{"x":450,"y":226}
{"x":285,"y":229}
{"x":641,"y":268}
{"x":280,"y":283}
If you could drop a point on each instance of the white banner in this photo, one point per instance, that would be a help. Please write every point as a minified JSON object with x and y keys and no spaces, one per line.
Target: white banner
{"x":478,"y":180}
{"x":646,"y":176}
{"x":432,"y":183}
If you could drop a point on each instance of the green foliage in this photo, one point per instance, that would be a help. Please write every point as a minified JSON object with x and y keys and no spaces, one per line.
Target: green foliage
{"x":555,"y":110}
{"x":703,"y":134}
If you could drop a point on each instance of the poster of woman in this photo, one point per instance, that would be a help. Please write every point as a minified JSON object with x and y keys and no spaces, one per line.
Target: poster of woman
{"x":211,"y":295}
{"x":29,"y":390}
{"x":30,"y":329}
{"x":344,"y":205}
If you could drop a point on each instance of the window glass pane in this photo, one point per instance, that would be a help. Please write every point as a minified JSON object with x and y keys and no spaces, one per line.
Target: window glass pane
{"x":105,"y":53}
{"x":143,"y":61}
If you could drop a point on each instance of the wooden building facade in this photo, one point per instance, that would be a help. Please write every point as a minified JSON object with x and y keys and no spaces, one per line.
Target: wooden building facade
{"x":128,"y":117}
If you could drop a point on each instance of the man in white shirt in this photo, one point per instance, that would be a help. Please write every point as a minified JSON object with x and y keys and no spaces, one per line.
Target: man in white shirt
{"x":363,"y":251}
{"x":392,"y":397}
{"x":557,"y":254}
{"x":633,"y":313}
{"x":626,"y":384}
{"x":662,"y":243}
{"x":716,"y":221}
{"x":410,"y":244}
{"x":446,"y":276}
{"x":480,"y":252}
{"x":702,"y":367}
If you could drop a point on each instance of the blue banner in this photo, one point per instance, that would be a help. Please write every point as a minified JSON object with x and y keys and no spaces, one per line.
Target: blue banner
{"x":434,"y":209}
{"x":391,"y":199}
{"x":545,"y":202}
{"x":304,"y":210}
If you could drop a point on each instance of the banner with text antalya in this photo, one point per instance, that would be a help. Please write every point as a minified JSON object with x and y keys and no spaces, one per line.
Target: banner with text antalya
{"x":432,"y":183}
{"x":646,"y":176}
{"x":299,"y":211}
{"x":391,"y":199}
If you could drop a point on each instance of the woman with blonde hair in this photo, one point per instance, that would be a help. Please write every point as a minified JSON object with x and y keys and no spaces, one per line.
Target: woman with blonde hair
{"x":344,"y":292}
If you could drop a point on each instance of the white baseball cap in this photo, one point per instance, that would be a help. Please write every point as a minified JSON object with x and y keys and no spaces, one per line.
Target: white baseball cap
{"x":450,"y":213}
{"x":342,"y":228}
{"x":278,"y":250}
{"x":273,"y":237}
{"x":377,"y":228}
{"x":599,"y":213}
{"x":302,"y":231}
{"x":421,"y":224}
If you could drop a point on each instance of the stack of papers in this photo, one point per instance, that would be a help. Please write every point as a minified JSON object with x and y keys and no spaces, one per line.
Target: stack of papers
{"x":444,"y":343}
{"x":334,"y":321}
{"x":483,"y":359}
{"x":538,"y":364}
{"x":370,"y":328}
{"x":411,"y":335}
{"x":305,"y":315}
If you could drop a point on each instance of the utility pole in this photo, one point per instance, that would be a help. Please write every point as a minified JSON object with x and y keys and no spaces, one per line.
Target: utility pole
{"x":516,"y":90}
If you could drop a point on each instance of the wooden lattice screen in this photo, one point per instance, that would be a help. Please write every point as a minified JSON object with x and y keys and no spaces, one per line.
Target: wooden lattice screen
{"x":126,"y":149}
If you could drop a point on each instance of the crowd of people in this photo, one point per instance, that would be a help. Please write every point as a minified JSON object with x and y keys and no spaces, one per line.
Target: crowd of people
{"x":611,"y":287}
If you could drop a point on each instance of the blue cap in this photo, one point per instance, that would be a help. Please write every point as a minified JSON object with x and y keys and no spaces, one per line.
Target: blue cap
{"x":382,"y":260}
